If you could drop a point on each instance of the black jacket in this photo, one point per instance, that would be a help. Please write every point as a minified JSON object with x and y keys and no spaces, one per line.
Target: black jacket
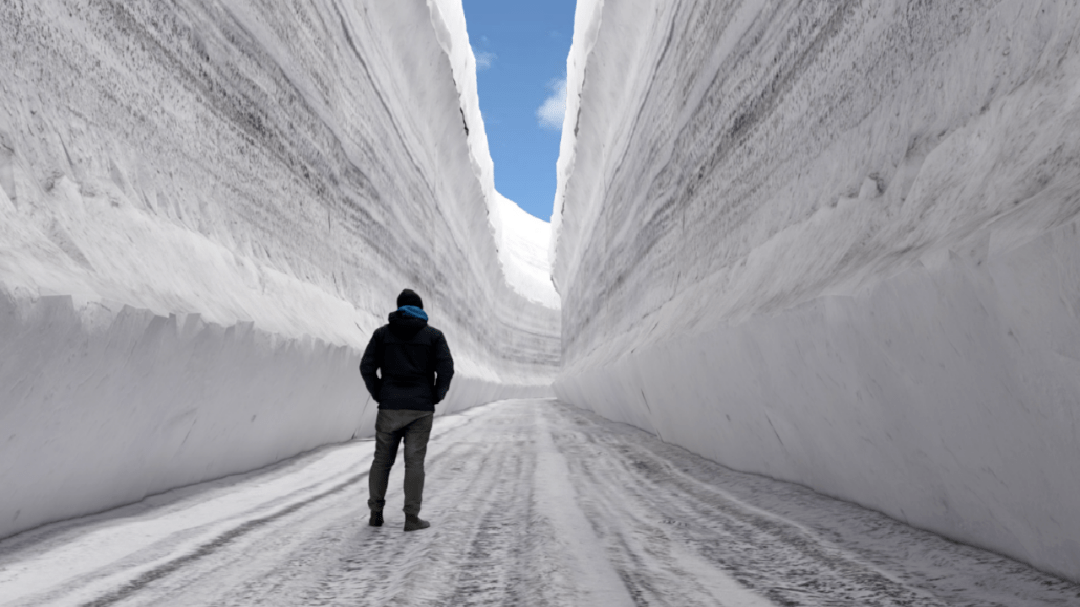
{"x":410,"y":354}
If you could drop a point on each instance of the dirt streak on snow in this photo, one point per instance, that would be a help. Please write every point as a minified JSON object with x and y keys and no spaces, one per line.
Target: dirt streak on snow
{"x":532,"y":503}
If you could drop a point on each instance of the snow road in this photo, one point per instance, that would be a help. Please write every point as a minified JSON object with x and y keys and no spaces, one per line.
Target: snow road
{"x":532,"y":502}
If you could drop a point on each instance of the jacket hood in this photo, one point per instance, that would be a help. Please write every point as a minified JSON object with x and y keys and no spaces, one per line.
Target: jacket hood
{"x":413,"y":311}
{"x":404,"y":326}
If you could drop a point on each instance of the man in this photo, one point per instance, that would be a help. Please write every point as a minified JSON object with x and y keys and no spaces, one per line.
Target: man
{"x":416,"y":371}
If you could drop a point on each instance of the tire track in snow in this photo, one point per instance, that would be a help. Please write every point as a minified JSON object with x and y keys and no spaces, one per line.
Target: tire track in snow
{"x":653,"y":563}
{"x":211,"y":547}
{"x":94,"y":558}
{"x":773,"y":557}
{"x":489,"y":573}
{"x":473,"y":555}
{"x":643,"y":486}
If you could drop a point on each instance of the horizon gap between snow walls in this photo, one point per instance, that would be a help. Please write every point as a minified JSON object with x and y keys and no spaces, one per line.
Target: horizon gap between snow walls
{"x":836,"y":244}
{"x":204,"y":212}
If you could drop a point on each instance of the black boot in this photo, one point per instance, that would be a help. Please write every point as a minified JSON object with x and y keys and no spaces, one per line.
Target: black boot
{"x":415,"y":523}
{"x":376,"y":518}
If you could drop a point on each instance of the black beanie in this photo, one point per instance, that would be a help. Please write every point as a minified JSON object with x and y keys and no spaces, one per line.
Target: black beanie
{"x":409,"y":297}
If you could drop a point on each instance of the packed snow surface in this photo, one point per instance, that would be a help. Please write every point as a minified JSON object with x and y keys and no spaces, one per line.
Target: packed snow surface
{"x":531,"y":503}
{"x":836,"y":243}
{"x":207,"y":207}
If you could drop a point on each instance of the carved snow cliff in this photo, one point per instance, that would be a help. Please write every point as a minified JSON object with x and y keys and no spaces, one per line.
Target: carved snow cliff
{"x":204,"y":212}
{"x":837,"y":243}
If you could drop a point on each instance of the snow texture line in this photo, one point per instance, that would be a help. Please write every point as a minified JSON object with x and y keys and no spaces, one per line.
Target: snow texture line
{"x":210,"y":547}
{"x":649,"y":501}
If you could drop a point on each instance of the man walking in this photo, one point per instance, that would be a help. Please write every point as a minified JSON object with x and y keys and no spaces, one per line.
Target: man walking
{"x":416,"y":371}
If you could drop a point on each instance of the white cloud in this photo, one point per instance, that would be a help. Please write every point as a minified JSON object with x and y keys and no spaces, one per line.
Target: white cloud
{"x":553,"y":110}
{"x":484,"y":60}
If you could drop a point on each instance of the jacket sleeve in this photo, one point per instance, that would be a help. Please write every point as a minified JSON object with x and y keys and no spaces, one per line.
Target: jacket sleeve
{"x":371,"y":361}
{"x":444,"y":367}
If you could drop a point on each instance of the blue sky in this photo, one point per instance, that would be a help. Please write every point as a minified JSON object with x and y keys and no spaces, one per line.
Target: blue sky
{"x":521,"y":48}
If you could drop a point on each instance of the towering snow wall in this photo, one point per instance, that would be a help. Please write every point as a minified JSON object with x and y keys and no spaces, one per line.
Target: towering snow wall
{"x":837,"y":243}
{"x":205,"y":209}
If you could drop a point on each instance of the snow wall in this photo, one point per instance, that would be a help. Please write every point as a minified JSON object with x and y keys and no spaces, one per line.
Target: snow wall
{"x":837,"y":243}
{"x":207,"y":207}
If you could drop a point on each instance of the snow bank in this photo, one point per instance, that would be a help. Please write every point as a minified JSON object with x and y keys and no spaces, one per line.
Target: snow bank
{"x":251,"y":185}
{"x":837,"y":244}
{"x":106,"y":404}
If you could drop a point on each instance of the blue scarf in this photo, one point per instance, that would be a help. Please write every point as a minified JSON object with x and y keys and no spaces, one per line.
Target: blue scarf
{"x":413,"y":312}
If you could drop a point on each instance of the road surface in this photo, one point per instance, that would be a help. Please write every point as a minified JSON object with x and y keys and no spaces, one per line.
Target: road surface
{"x":532,"y":503}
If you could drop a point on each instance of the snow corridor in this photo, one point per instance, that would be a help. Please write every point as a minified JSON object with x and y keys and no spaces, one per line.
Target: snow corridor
{"x":832,"y":243}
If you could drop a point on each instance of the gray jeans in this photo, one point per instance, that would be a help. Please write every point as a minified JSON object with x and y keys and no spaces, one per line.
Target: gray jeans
{"x":391,"y":426}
